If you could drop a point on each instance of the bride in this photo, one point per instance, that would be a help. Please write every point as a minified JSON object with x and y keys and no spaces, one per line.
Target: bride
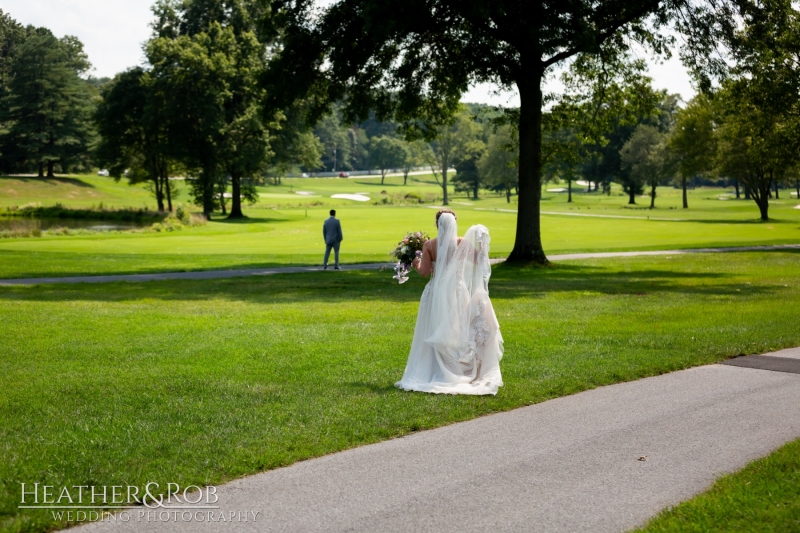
{"x":457,"y":344}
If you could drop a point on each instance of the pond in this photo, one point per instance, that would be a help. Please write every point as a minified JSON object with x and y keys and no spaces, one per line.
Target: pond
{"x":41,"y":224}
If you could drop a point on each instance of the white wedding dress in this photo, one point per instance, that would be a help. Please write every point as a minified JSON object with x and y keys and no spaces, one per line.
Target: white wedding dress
{"x":457,"y":344}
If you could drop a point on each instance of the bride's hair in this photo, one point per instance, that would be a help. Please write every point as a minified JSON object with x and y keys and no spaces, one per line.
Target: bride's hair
{"x":443,"y":211}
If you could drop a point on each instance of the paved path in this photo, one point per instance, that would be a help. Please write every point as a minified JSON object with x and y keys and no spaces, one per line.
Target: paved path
{"x":569,"y":464}
{"x":217,"y":274}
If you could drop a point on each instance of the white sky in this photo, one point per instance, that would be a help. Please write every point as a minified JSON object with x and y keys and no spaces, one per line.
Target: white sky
{"x":670,"y":75}
{"x":113,"y":31}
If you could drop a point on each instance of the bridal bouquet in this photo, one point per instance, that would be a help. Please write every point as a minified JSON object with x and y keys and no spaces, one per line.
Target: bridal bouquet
{"x":406,"y":251}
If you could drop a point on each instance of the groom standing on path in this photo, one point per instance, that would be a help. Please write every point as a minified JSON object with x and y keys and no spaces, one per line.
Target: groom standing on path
{"x":332,"y":233}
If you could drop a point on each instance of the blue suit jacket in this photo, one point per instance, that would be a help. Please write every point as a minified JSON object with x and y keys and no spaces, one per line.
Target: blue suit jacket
{"x":332,"y":231}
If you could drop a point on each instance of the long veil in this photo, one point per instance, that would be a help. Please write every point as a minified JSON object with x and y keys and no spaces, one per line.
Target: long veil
{"x":465,"y":332}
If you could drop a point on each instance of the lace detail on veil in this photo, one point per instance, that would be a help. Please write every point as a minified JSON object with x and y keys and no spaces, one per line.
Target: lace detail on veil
{"x":466,"y":320}
{"x":457,"y":344}
{"x":479,"y":332}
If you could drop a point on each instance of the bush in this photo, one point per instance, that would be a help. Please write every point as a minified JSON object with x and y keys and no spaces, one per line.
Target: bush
{"x":197,"y":220}
{"x":183,"y":215}
{"x":99,"y":213}
{"x":17,"y":233}
{"x":176,"y":221}
{"x":169,"y":224}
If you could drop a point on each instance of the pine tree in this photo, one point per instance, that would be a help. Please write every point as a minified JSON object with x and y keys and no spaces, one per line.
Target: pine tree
{"x":47,"y":108}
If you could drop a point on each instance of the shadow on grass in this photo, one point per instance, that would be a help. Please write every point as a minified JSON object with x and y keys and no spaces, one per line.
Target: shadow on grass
{"x":739,"y":221}
{"x":509,"y":282}
{"x":594,"y":279}
{"x":50,"y":181}
{"x":252,"y":220}
{"x":375,"y":183}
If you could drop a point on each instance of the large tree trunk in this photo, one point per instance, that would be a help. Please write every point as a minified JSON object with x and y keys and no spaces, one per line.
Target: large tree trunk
{"x":746,"y":191}
{"x":797,"y":186}
{"x":632,"y":196}
{"x":569,"y":191}
{"x":236,"y":197}
{"x":508,"y":195}
{"x":207,"y":183}
{"x":528,"y":241}
{"x":763,"y":207}
{"x":405,"y":177}
{"x":50,"y":169}
{"x":736,"y":184}
{"x":653,"y":197}
{"x":383,"y":175}
{"x":777,"y":197}
{"x":761,"y":195}
{"x":685,"y":197}
{"x":41,"y":169}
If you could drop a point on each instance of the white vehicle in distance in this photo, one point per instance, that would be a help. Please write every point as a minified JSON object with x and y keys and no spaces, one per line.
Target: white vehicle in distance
{"x":102,"y":172}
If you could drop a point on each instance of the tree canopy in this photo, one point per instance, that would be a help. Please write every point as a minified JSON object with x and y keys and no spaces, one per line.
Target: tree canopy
{"x":412,"y":62}
{"x":46,"y":106}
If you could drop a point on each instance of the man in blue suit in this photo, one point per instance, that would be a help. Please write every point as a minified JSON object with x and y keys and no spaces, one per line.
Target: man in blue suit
{"x":332,"y":233}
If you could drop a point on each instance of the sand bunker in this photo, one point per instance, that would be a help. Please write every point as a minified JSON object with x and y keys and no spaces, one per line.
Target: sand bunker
{"x":304,"y":193}
{"x":354,"y":197}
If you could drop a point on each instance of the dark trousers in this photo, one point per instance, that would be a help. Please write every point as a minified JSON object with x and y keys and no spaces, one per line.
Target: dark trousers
{"x":328,"y":247}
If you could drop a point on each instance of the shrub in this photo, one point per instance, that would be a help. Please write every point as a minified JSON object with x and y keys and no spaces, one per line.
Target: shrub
{"x":59,"y":211}
{"x":197,"y":220}
{"x":18,"y":233}
{"x":183,"y":215}
{"x":60,"y":230}
{"x":169,"y":224}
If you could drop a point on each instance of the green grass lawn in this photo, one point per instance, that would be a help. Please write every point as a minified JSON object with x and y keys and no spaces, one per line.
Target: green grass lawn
{"x":764,"y":496}
{"x":284,"y":228}
{"x":294,"y":237}
{"x":78,"y":191}
{"x":201,"y":382}
{"x":85,"y":191}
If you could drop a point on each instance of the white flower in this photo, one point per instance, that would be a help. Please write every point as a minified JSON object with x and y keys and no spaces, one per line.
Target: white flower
{"x":400,"y":273}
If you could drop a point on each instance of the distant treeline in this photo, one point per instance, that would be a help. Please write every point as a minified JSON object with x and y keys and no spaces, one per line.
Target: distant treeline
{"x":201,"y":107}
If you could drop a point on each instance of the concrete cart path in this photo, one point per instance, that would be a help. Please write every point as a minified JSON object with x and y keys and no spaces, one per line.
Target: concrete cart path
{"x":604,"y":460}
{"x":217,"y":274}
